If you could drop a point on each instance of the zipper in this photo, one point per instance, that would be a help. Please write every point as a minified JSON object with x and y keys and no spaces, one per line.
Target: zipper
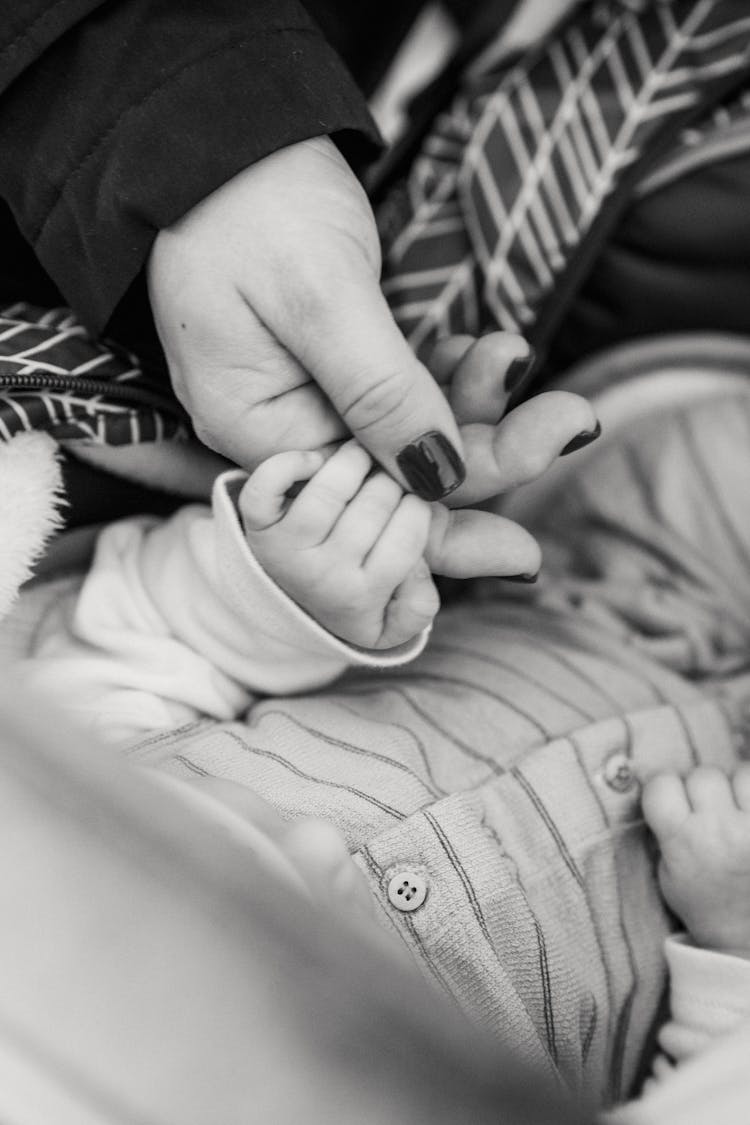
{"x":113,"y":390}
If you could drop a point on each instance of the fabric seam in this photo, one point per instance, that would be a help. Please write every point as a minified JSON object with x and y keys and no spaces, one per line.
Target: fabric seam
{"x":27,"y":33}
{"x":175,"y":77}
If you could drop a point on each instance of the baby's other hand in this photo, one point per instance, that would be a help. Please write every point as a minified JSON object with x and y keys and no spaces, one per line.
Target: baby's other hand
{"x":702,"y":826}
{"x":348,"y":547}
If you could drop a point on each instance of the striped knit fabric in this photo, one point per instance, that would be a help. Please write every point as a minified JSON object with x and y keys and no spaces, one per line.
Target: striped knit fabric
{"x":55,"y":377}
{"x":720,"y":136}
{"x":512,"y":179}
{"x":504,"y":766}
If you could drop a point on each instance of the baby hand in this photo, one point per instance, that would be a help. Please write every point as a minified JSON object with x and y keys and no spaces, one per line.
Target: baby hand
{"x":702,"y":826}
{"x":348,"y":547}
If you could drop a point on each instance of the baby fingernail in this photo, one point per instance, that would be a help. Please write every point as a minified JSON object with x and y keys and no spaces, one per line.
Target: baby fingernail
{"x":520,"y":577}
{"x":431,"y":466}
{"x":519,"y":371}
{"x":581,"y":440}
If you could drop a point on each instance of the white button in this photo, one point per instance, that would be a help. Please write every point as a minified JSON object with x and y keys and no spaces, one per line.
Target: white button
{"x":618,"y":773}
{"x":407,"y":890}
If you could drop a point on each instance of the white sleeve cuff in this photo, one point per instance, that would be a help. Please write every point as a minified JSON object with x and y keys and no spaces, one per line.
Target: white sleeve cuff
{"x":710,"y":991}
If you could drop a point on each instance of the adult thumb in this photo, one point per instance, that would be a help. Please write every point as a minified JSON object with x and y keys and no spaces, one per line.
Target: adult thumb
{"x":385,"y":396}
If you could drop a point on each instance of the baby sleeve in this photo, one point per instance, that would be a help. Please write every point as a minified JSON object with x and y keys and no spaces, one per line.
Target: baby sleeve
{"x":709,"y":996}
{"x":176,"y":619}
{"x":701,"y":1075}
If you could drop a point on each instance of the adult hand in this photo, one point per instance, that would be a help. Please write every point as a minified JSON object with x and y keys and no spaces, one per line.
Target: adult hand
{"x":267,"y":300}
{"x":505,"y":447}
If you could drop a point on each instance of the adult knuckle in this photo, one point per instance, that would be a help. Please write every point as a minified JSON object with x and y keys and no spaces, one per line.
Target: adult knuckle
{"x":182,"y":382}
{"x":375,"y":401}
{"x":221,"y":419}
{"x":307,"y":301}
{"x":536,"y":461}
{"x":205,"y":431}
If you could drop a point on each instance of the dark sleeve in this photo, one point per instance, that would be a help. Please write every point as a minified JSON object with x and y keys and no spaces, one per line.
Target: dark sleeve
{"x":116,"y":118}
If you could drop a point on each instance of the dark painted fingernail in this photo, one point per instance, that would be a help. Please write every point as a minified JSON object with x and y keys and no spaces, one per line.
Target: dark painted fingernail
{"x":431,"y":466}
{"x":519,"y":371}
{"x":520,"y":577}
{"x":582,"y":439}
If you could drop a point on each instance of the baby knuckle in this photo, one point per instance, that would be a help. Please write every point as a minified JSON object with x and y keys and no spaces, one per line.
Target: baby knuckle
{"x":328,"y":496}
{"x":426,"y":602}
{"x":659,"y":785}
{"x":419,"y":510}
{"x":373,"y":598}
{"x":416,"y":519}
{"x":707,"y":777}
{"x":377,"y":510}
{"x":385,"y":489}
{"x":340,"y":582}
{"x":253,"y":498}
{"x":405,"y":546}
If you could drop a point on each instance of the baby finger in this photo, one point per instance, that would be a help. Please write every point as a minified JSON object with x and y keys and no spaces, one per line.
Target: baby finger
{"x":366,"y":517}
{"x":493,"y":369}
{"x":411,"y":609}
{"x":709,"y":789}
{"x":665,"y":805}
{"x":401,"y":545}
{"x":315,"y":511}
{"x":263,"y":499}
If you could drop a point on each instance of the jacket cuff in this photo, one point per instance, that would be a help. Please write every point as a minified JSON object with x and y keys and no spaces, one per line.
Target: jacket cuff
{"x":90,"y":191}
{"x":277,"y":614}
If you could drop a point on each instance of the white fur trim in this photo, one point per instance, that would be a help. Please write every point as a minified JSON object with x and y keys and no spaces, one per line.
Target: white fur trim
{"x":30,"y":498}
